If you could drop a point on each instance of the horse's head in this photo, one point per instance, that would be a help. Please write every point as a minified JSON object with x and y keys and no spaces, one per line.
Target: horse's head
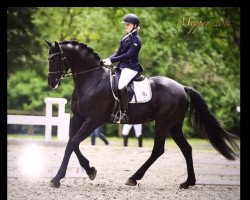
{"x":58,"y":65}
{"x":81,"y":58}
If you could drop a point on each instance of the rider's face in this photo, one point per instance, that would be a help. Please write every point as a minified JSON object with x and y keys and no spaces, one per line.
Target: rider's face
{"x":128,"y":27}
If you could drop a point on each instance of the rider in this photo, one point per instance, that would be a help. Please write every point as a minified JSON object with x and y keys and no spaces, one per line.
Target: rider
{"x":127,"y":56}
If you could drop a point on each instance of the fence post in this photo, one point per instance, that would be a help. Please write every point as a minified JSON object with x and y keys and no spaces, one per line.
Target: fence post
{"x":48,"y":115}
{"x":63,"y":118}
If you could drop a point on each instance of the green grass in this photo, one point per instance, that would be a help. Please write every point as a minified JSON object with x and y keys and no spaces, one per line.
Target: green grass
{"x":197,"y":144}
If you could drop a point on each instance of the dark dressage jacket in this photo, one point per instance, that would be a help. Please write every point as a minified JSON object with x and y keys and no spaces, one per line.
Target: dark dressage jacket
{"x":128,"y":53}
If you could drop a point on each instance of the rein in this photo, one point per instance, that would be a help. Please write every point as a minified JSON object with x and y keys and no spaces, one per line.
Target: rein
{"x":69,"y":74}
{"x":64,"y":68}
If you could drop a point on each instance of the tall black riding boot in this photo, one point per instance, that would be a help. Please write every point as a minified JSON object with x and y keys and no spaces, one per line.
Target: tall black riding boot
{"x":140,"y":141}
{"x":124,"y":106}
{"x":125,"y":140}
{"x":122,"y":115}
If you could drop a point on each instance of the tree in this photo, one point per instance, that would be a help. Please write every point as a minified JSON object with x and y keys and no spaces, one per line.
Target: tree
{"x":176,"y":42}
{"x":22,"y":39}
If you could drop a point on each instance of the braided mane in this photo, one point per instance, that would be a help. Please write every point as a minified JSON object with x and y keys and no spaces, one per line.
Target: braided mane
{"x":83,"y":46}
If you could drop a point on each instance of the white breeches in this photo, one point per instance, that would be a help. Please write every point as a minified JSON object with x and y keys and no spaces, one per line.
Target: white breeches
{"x":126,"y":76}
{"x":137,"y":127}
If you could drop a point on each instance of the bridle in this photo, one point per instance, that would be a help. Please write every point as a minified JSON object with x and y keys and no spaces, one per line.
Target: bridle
{"x":65,"y":67}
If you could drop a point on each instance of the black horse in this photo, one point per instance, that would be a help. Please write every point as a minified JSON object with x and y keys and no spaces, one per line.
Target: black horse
{"x":92,"y":104}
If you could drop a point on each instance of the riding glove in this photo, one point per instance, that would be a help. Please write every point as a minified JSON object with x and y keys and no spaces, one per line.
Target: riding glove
{"x":106,"y":61}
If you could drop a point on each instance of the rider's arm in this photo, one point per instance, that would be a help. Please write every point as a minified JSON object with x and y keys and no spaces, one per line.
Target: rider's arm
{"x":133,"y":50}
{"x":117,"y":53}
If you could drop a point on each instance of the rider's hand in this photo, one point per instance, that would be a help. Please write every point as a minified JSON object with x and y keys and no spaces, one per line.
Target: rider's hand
{"x":106,"y":61}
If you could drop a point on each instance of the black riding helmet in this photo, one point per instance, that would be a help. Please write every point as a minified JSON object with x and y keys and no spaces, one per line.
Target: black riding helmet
{"x":131,"y":18}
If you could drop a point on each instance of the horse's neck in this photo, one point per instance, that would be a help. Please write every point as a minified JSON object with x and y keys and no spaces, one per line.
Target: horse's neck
{"x":87,"y":74}
{"x":91,"y":80}
{"x":82,"y":69}
{"x":77,"y":61}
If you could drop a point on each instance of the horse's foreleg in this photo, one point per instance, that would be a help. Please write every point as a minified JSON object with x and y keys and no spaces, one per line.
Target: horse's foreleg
{"x":86,"y":129}
{"x":55,"y":182}
{"x":91,"y":171}
{"x":75,"y":125}
{"x":158,"y":150}
{"x":186,"y":150}
{"x":73,"y":145}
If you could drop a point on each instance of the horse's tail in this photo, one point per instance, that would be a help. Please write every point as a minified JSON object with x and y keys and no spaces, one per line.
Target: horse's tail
{"x":205,"y":122}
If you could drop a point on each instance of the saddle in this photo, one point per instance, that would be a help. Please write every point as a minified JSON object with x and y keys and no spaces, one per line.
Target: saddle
{"x":139,"y":89}
{"x":130,"y":87}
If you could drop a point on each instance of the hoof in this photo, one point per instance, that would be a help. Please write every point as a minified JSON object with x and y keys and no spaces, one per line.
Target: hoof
{"x":92,"y":173}
{"x":131,"y":182}
{"x":54,"y":184}
{"x":186,"y":184}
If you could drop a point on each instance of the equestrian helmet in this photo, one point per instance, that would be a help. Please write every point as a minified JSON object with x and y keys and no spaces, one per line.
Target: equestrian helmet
{"x":131,"y":18}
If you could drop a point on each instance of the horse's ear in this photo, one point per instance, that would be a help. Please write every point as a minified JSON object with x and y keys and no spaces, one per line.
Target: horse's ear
{"x":48,"y":43}
{"x":57,"y":45}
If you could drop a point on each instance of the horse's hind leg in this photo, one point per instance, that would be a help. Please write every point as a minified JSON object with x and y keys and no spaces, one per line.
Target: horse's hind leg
{"x":186,"y":150}
{"x":161,"y":129}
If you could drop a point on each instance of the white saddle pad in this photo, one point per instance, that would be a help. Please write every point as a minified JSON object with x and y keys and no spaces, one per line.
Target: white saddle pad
{"x":142,"y":90}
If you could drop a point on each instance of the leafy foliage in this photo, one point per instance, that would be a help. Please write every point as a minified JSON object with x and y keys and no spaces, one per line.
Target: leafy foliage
{"x":208,"y":59}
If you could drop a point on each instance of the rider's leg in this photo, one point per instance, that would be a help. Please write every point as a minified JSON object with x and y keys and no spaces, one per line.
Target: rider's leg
{"x":124,"y":105}
{"x":126,"y":76}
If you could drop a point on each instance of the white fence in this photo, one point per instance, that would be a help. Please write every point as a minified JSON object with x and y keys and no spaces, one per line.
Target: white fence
{"x":62,"y":121}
